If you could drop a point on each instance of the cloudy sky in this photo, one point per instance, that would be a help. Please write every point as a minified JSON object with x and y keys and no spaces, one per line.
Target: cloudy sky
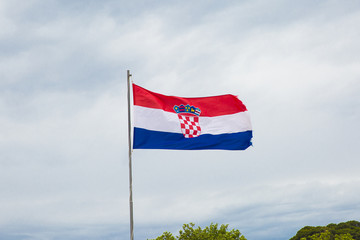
{"x":63,"y":116}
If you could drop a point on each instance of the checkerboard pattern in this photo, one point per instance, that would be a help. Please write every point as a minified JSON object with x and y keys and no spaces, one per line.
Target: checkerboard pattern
{"x":190,"y":126}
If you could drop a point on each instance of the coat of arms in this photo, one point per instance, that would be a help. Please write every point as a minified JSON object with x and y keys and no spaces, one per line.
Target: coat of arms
{"x":189,"y":120}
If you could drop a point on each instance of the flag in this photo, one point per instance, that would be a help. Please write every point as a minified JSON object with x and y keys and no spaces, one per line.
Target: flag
{"x":169,"y":122}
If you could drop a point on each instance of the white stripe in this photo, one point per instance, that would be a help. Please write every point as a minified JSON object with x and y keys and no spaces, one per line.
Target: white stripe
{"x":159,"y":120}
{"x":156,"y":119}
{"x":232,"y":123}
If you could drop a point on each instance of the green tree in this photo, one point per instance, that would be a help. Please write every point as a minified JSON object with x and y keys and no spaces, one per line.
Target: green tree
{"x":319,"y":236}
{"x":166,"y":236}
{"x":327,"y":236}
{"x":346,"y":236}
{"x":343,"y":231}
{"x":212,"y":232}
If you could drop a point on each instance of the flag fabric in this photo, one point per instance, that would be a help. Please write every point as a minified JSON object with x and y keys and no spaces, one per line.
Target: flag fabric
{"x":169,"y":122}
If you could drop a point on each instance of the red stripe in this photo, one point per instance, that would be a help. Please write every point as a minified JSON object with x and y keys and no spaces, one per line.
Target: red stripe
{"x":209,"y":106}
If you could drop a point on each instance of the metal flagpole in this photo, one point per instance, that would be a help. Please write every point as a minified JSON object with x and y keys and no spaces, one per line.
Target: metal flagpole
{"x":130,"y":158}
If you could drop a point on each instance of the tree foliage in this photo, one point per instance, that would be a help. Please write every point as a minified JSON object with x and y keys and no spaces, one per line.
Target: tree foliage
{"x":212,"y":232}
{"x":343,"y":231}
{"x":327,"y":236}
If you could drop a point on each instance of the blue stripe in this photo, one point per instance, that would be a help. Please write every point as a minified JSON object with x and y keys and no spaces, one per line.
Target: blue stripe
{"x":147,"y":139}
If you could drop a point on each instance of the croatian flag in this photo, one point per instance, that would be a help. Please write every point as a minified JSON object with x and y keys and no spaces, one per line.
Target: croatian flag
{"x":168,"y":122}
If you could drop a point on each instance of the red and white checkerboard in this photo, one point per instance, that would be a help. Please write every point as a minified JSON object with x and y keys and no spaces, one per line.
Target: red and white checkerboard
{"x":190,"y":126}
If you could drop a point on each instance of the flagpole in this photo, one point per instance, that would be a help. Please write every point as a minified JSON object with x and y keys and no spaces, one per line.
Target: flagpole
{"x":130,"y":159}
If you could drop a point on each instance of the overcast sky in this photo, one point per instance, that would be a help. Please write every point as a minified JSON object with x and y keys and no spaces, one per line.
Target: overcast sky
{"x":63,"y":116}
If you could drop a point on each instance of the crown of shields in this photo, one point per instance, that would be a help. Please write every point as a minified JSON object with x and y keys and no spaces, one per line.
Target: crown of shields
{"x":189,"y":120}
